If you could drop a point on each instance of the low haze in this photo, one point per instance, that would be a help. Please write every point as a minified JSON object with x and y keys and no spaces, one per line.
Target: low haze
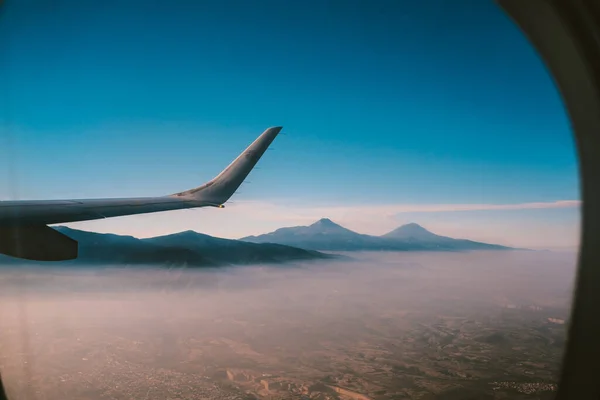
{"x":381,"y":325}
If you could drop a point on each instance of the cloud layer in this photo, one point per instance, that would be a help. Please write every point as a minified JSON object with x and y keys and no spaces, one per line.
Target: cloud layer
{"x":273,"y":210}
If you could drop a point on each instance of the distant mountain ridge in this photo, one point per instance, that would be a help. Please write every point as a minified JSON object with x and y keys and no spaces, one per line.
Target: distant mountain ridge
{"x":299,"y":243}
{"x":187,"y":248}
{"x":327,"y":235}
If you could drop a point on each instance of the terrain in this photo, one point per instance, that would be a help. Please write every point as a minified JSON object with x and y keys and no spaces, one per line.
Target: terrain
{"x":187,"y":248}
{"x":475,"y":325}
{"x":327,"y":235}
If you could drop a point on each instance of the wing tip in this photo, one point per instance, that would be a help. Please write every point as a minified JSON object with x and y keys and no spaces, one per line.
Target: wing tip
{"x":236,"y":172}
{"x":274,"y":129}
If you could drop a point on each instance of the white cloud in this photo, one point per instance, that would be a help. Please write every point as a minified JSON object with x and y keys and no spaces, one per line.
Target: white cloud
{"x":392,"y":209}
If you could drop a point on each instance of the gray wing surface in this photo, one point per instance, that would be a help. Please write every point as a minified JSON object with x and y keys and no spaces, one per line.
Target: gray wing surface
{"x":28,"y":218}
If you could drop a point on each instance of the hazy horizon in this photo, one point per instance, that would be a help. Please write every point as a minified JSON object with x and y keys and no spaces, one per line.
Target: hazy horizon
{"x":574,"y":248}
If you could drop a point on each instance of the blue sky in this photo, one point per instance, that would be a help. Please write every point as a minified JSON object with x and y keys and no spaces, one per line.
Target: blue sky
{"x":384,"y":104}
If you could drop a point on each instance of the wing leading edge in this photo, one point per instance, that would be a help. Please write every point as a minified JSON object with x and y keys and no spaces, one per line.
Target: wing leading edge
{"x":16,"y":215}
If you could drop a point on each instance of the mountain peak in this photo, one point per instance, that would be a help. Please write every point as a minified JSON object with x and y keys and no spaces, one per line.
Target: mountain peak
{"x":325,"y":225}
{"x":413,"y":226}
{"x":183,"y":235}
{"x":325,"y":222}
{"x":188,"y":232}
{"x":410,"y":230}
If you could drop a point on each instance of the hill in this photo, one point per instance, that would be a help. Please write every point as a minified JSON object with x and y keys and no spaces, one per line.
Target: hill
{"x":188,"y":248}
{"x":327,"y":235}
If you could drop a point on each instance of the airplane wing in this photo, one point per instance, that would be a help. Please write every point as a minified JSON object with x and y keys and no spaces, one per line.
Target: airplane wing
{"x":23,"y":224}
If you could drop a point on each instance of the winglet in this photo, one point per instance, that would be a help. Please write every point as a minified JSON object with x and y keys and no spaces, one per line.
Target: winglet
{"x":219,"y":189}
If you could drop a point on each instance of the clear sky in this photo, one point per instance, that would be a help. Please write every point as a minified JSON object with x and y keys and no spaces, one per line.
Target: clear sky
{"x":435,"y":112}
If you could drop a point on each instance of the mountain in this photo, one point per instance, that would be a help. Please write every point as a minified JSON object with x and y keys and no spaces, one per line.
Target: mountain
{"x":235,"y":251}
{"x":327,"y":235}
{"x":411,"y":231}
{"x":188,"y":248}
{"x":416,"y":233}
{"x":323,"y":235}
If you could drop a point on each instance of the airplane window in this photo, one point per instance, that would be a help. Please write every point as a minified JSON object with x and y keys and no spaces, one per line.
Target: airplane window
{"x":299,"y":200}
